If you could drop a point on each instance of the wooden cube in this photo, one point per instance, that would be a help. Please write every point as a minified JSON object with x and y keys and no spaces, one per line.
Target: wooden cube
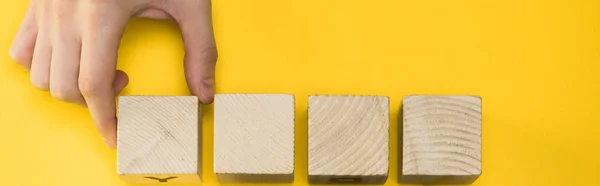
{"x":441,"y":139}
{"x":159,"y":139}
{"x":348,"y":139}
{"x":254,"y":137}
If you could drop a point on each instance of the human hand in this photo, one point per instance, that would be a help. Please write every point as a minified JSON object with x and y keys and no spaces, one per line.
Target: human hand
{"x":70,"y":49}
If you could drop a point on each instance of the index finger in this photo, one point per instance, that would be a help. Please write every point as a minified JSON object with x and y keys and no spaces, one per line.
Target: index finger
{"x":100,"y":40}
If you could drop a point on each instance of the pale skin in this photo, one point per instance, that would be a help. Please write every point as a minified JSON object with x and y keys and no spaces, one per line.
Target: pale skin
{"x":70,"y":49}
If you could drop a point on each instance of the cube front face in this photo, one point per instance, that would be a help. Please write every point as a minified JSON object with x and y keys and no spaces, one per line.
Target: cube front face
{"x":348,"y":139}
{"x":254,"y":137}
{"x":441,"y":139}
{"x":158,"y":139}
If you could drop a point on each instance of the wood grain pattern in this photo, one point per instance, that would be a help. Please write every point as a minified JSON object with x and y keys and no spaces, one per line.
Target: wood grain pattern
{"x":159,"y":139}
{"x":441,"y":139}
{"x":254,"y":137}
{"x":348,"y":139}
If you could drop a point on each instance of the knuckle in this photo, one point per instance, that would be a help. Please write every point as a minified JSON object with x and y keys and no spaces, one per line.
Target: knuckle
{"x":62,"y":12}
{"x":98,"y":1}
{"x":93,"y":9}
{"x":21,"y":57}
{"x":95,"y":16}
{"x":89,"y":87}
{"x":58,"y":14}
{"x":55,"y":6}
{"x":40,"y":83}
{"x":209,"y":55}
{"x":65,"y":93}
{"x":204,"y":56}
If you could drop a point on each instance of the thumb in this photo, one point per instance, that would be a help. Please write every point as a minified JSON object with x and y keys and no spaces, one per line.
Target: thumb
{"x":200,"y":59}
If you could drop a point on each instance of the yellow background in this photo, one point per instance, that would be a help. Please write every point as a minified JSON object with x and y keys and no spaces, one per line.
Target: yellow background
{"x":535,"y":63}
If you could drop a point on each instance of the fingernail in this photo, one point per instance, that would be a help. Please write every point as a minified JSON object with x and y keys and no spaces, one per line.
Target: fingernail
{"x":207,"y":92}
{"x":108,"y":143}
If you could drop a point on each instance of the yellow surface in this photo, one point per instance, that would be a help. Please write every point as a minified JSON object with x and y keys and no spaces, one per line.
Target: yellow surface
{"x":535,"y":63}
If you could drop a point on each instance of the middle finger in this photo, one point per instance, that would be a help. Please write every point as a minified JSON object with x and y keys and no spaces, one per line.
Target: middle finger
{"x":66,"y":52}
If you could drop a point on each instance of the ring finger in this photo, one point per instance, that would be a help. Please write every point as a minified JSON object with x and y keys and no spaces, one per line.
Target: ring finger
{"x":64,"y":68}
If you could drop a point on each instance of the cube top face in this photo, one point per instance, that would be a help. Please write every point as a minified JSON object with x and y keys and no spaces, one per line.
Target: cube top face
{"x":158,"y":135}
{"x":442,"y":135}
{"x":254,"y":134}
{"x":348,"y":135}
